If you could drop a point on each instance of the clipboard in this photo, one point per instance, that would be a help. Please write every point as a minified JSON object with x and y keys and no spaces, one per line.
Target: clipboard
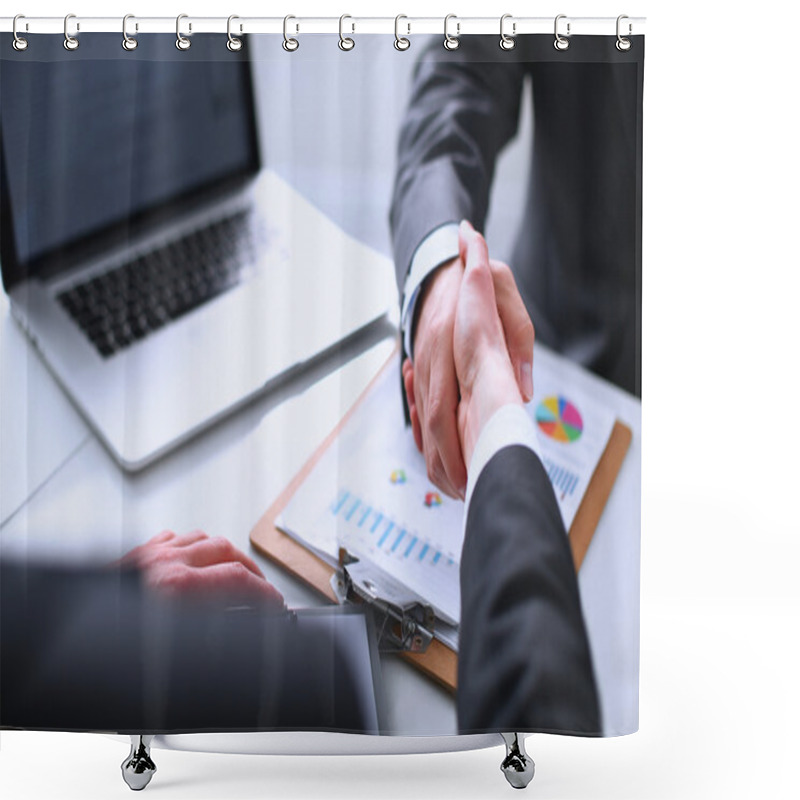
{"x":438,"y":662}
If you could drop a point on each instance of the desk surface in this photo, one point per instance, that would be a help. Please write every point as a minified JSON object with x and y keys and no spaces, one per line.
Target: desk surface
{"x":67,"y":499}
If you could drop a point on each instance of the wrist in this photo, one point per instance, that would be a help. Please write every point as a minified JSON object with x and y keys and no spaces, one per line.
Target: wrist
{"x":494,"y":387}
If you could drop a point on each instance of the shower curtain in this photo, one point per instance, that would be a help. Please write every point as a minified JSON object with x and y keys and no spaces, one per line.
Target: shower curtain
{"x":496,"y":192}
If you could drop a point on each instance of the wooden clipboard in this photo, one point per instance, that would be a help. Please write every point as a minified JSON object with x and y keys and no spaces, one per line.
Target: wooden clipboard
{"x":439,"y":662}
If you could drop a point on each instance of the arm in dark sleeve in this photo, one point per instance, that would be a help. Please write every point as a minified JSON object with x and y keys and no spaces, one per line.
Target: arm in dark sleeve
{"x":464,"y":108}
{"x":524,"y":662}
{"x":93,"y":650}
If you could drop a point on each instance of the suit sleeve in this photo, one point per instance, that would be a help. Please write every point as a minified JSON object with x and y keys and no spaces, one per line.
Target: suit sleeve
{"x":92,"y":650}
{"x":524,"y":659}
{"x":464,"y":108}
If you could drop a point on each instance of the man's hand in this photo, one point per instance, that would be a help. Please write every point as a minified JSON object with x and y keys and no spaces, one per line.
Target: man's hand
{"x":431,"y":386}
{"x":430,"y":383}
{"x":198,"y":566}
{"x":483,"y":366}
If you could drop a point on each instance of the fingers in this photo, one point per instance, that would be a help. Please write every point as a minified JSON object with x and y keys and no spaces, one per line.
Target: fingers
{"x":164,"y":536}
{"x":406,"y":369}
{"x":517,"y":326}
{"x":442,"y":446}
{"x":416,"y":427}
{"x":408,"y":383}
{"x":186,"y":539}
{"x":197,"y":563}
{"x":133,"y":557}
{"x":217,"y":550}
{"x":238,"y":582}
{"x":231,"y":581}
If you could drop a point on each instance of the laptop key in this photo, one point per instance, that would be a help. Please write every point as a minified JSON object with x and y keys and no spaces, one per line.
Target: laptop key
{"x":128,"y":302}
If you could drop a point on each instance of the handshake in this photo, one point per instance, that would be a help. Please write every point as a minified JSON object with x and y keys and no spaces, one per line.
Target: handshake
{"x":473,"y":354}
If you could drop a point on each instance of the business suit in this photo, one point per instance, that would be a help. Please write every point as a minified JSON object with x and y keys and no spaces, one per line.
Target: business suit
{"x":577,"y":260}
{"x":524,"y":662}
{"x":93,"y":650}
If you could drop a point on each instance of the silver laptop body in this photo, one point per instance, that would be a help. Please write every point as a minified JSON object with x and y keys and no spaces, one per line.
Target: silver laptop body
{"x":257,"y":281}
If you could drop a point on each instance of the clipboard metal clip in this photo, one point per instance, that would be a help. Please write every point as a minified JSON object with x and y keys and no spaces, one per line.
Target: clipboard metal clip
{"x":403,"y":622}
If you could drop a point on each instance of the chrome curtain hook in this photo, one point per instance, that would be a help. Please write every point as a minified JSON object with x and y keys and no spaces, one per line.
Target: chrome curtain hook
{"x":289,"y":44}
{"x":181,"y":42}
{"x":507,"y":42}
{"x":128,"y":42}
{"x":345,"y":42}
{"x":233,"y":44}
{"x":623,"y":44}
{"x":400,"y":42}
{"x":451,"y":42}
{"x":560,"y":42}
{"x":19,"y":44}
{"x":70,"y":42}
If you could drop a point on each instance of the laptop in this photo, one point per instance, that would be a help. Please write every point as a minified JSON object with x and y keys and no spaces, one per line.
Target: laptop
{"x":164,"y":273}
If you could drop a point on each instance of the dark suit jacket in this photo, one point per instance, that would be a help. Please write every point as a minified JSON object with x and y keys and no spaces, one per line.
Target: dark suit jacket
{"x":524,"y":662}
{"x":577,"y":258}
{"x":91,"y":649}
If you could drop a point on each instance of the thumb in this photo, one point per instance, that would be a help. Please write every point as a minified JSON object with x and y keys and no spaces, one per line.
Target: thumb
{"x":472,"y":248}
{"x":464,"y":230}
{"x":517,"y":326}
{"x":477,"y":319}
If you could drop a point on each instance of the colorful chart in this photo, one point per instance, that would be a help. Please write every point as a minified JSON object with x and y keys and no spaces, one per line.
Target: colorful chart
{"x":564,"y":480}
{"x":398,"y":476}
{"x":367,"y":524}
{"x":433,"y":499}
{"x":559,"y":419}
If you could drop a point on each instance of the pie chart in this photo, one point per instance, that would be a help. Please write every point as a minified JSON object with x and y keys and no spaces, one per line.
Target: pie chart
{"x":433,"y":499}
{"x":559,"y":419}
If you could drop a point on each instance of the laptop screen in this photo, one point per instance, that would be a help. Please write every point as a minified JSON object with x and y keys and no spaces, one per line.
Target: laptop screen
{"x":87,"y":151}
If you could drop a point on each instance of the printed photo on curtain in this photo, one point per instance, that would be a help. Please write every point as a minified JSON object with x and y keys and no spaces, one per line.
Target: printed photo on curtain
{"x":320,"y":383}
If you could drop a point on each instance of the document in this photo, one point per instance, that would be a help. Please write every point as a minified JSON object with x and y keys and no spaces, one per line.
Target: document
{"x":370,"y":492}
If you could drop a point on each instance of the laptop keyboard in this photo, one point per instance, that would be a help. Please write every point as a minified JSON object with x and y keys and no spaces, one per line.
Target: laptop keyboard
{"x":129,"y":302}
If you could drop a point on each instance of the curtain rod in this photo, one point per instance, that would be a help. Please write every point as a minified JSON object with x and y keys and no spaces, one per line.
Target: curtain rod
{"x":348,"y":25}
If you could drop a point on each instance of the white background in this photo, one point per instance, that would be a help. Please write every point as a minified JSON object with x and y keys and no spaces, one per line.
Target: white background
{"x":720,"y":547}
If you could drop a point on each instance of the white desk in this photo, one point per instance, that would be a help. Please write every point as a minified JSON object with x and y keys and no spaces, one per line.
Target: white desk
{"x":69,"y":500}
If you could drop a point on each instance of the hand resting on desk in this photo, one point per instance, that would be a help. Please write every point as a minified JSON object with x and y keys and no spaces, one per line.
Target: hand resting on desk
{"x":195,"y":564}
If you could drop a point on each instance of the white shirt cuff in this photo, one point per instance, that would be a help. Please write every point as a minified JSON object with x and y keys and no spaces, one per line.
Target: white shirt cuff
{"x":509,"y":425}
{"x":438,"y":246}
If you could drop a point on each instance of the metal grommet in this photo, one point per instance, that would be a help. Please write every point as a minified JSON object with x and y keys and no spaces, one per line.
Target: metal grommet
{"x":289,"y":44}
{"x":400,"y":42}
{"x":128,"y":42}
{"x":507,"y":42}
{"x":19,"y":44}
{"x":70,"y":42}
{"x":623,"y":44}
{"x":561,"y":43}
{"x":345,"y":42}
{"x":181,"y":42}
{"x":233,"y":44}
{"x":451,"y":42}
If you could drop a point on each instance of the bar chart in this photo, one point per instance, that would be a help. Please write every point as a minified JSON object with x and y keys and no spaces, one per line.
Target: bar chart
{"x":564,"y":480}
{"x":423,"y":564}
